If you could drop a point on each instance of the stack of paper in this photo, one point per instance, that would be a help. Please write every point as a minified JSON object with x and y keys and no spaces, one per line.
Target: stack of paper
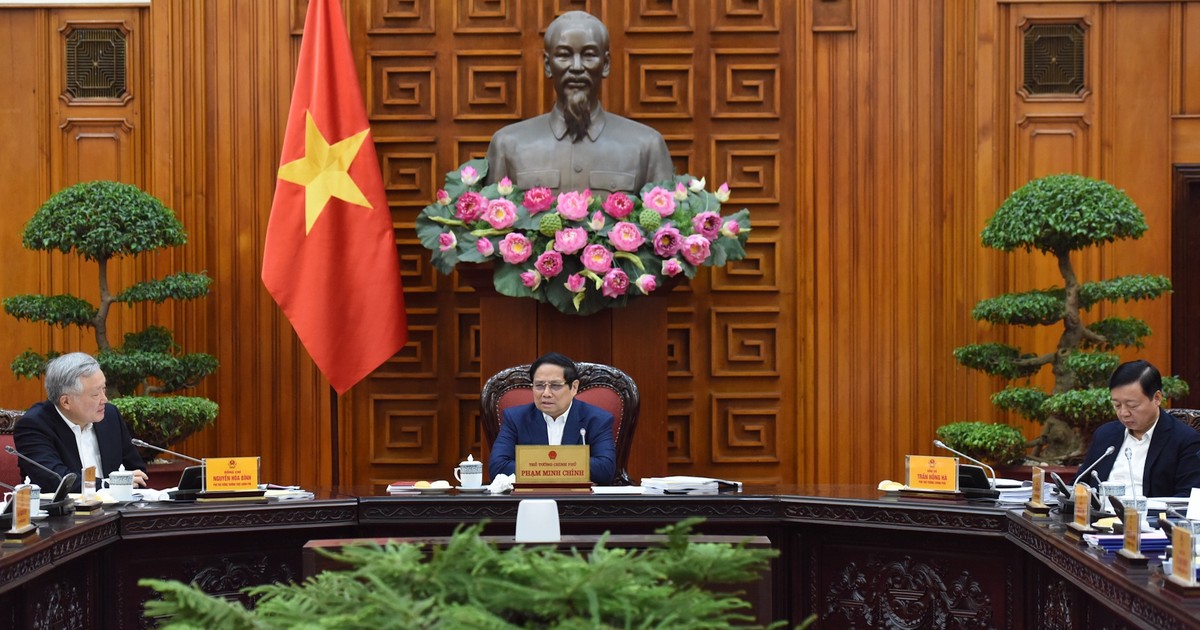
{"x":290,"y":495}
{"x":1153,"y":543}
{"x":1012,"y":491}
{"x":681,"y":484}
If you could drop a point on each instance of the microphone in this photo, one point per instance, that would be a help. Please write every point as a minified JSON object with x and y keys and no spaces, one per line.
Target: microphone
{"x":991,"y":482}
{"x":65,"y":483}
{"x":4,"y":485}
{"x":138,"y":443}
{"x":1108,"y":451}
{"x":13,"y":451}
{"x":1129,"y":460}
{"x":1096,"y":502}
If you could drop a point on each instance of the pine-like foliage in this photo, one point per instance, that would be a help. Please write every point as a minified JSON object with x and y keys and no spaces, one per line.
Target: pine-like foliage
{"x":470,"y":583}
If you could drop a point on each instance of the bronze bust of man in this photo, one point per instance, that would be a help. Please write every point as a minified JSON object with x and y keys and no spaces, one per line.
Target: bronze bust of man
{"x":578,"y":145}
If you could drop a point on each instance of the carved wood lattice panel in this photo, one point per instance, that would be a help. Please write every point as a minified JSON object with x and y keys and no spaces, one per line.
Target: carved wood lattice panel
{"x":442,"y":77}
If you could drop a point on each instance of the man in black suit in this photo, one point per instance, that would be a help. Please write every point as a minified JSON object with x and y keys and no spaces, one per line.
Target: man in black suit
{"x":75,"y":427}
{"x":555,"y":417}
{"x":1161,"y":453}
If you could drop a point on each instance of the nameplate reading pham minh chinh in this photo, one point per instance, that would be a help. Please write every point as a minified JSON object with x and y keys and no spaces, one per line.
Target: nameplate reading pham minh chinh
{"x":226,"y":474}
{"x":928,"y":473}
{"x":558,"y":465}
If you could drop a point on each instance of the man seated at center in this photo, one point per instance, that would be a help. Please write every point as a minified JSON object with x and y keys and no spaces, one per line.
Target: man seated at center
{"x":555,"y":417}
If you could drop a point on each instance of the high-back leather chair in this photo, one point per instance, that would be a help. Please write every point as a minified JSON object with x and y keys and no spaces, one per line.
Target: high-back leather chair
{"x":1190,"y":416}
{"x":601,"y":385}
{"x":10,"y":471}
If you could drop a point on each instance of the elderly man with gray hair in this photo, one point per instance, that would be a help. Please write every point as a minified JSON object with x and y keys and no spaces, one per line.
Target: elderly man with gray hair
{"x":76,"y":426}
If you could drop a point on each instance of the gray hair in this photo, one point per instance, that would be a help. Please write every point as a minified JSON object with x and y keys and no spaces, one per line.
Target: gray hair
{"x":64,"y":374}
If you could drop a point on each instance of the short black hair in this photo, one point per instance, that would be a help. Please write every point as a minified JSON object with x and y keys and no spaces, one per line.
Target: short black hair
{"x":553,"y":358}
{"x":1140,"y":371}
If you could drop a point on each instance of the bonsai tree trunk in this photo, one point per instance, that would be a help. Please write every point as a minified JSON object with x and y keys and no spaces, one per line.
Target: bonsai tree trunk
{"x":1059,"y":440}
{"x":106,"y":300}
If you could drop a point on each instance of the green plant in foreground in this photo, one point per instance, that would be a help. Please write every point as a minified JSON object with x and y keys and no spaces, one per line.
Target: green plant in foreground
{"x":470,"y":583}
{"x":1058,"y":215}
{"x":100,"y":221}
{"x":997,"y":444}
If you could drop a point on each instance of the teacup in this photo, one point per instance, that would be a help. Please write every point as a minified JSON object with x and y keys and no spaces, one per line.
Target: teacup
{"x":120,"y":485}
{"x":469,"y":474}
{"x":35,"y":499}
{"x":1110,"y":489}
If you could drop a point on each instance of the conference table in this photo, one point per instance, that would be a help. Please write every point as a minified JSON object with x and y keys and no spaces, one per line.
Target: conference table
{"x":851,"y":555}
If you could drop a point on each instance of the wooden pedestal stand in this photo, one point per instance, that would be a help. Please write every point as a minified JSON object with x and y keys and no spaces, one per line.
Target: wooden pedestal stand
{"x":1131,"y":562}
{"x":632,"y":339}
{"x":1036,"y":510}
{"x":1075,"y":532}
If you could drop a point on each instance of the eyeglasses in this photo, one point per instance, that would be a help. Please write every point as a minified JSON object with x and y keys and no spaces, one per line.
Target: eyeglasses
{"x":553,"y":387}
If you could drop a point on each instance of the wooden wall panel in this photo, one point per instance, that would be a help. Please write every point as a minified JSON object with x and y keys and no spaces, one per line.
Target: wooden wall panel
{"x":871,"y":141}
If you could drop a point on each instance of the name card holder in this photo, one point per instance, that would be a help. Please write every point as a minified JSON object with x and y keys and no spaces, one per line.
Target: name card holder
{"x":1130,"y":557}
{"x":1035,"y":508}
{"x":543,"y":469}
{"x":87,"y":504}
{"x":1182,"y":580}
{"x":23,"y":530}
{"x":1083,"y":515}
{"x":931,"y":477}
{"x":231,"y":480}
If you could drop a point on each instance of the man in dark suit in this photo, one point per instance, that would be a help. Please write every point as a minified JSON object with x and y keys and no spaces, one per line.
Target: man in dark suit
{"x":555,"y":417}
{"x":75,"y":427}
{"x":1161,"y":453}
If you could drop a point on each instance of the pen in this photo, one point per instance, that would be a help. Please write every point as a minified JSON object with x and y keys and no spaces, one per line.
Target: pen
{"x":583,"y":436}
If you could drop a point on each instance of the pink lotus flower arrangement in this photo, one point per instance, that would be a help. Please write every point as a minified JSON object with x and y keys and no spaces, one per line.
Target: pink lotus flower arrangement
{"x":580,"y":251}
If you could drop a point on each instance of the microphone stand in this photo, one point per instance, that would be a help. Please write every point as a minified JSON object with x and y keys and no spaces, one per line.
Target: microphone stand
{"x":61,"y":504}
{"x":140,"y":444}
{"x":990,"y":492}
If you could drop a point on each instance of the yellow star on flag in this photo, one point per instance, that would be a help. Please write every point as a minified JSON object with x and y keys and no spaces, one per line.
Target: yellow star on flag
{"x":323,"y":171}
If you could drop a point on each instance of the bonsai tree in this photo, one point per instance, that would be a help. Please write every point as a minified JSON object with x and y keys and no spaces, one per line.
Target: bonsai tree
{"x":1058,"y":215}
{"x":100,"y":221}
{"x":995,"y":444}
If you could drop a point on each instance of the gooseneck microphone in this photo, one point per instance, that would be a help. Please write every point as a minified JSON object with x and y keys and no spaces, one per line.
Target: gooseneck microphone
{"x":1129,"y":460}
{"x":1083,"y":473}
{"x":13,"y":451}
{"x":65,"y":483}
{"x":141,"y":444}
{"x":992,"y":481}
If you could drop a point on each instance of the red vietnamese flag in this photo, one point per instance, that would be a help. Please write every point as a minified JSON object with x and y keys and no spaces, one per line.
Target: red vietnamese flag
{"x":330,"y":256}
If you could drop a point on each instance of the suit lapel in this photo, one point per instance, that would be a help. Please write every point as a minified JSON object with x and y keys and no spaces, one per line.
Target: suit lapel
{"x":574,"y":424}
{"x":1164,"y":430}
{"x":537,"y":424}
{"x":66,"y":436}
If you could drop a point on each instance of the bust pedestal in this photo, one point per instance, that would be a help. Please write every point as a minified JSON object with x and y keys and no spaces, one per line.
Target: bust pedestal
{"x":633,"y":339}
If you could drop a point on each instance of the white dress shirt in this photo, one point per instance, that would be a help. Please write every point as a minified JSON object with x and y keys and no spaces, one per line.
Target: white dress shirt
{"x":85,"y":441}
{"x":556,"y":426}
{"x":1121,"y":464}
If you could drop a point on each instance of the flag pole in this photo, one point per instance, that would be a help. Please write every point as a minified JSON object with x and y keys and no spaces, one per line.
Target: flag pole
{"x":333,"y":436}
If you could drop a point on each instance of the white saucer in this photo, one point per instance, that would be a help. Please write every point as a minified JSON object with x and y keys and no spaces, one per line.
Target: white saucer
{"x":434,"y":490}
{"x":479,"y":490}
{"x":40,"y":515}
